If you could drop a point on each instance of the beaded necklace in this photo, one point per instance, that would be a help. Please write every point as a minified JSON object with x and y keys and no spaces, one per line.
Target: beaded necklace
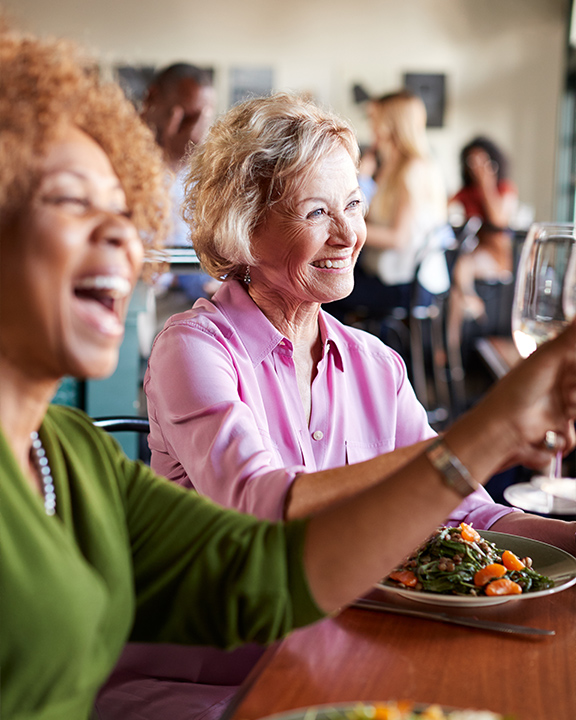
{"x":41,"y":462}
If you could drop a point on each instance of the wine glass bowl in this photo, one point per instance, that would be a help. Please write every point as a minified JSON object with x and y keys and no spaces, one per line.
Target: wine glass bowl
{"x":544,"y":303}
{"x":544,"y":290}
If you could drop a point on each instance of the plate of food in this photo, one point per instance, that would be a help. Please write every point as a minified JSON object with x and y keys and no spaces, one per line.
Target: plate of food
{"x":393,"y":710}
{"x":460,"y":566}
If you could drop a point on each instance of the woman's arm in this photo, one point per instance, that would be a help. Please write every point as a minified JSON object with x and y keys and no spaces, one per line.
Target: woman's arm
{"x":351,"y":545}
{"x":499,"y":205}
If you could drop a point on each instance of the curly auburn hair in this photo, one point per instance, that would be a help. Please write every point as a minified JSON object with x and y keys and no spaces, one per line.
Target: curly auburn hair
{"x":46,"y":85}
{"x":252,"y":158}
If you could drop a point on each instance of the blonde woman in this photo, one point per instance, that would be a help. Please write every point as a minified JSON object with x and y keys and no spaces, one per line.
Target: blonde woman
{"x":408,"y":213}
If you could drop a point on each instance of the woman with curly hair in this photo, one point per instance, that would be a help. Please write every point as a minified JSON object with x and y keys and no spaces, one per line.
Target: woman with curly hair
{"x":97,"y":549}
{"x":489,"y":195}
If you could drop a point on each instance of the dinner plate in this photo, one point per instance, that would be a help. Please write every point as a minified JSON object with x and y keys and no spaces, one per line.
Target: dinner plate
{"x":560,"y":488}
{"x":344,"y":711}
{"x":548,"y":560}
{"x":527,"y":496}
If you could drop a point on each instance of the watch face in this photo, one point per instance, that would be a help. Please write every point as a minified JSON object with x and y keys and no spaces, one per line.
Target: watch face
{"x":452,"y":470}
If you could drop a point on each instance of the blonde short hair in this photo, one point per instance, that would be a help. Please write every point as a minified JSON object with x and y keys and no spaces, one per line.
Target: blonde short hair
{"x":252,"y":158}
{"x":46,"y":85}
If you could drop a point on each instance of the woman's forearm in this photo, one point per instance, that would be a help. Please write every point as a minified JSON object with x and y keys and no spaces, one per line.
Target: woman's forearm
{"x":354,"y":544}
{"x":555,"y":532}
{"x":498,"y":207}
{"x":311,"y":492}
{"x":383,"y":237}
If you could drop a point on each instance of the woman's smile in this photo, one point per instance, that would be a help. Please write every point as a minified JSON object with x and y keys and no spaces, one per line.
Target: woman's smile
{"x":334,"y":263}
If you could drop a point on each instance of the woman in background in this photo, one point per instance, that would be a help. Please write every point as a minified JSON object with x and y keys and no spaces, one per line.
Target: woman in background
{"x":489,"y":195}
{"x":406,"y":223}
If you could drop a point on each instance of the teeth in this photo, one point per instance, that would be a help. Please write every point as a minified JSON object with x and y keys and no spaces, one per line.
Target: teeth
{"x":115,"y":286}
{"x":336,"y":264}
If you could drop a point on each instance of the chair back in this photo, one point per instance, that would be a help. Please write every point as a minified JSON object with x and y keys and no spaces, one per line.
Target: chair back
{"x":123,"y":424}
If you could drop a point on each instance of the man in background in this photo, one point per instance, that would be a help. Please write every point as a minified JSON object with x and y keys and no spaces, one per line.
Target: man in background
{"x":179,"y":107}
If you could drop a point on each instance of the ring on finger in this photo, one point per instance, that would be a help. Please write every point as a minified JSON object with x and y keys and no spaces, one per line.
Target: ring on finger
{"x":550,"y":440}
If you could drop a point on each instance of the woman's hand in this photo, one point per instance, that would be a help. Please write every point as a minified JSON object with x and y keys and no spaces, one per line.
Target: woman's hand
{"x":536,"y":396}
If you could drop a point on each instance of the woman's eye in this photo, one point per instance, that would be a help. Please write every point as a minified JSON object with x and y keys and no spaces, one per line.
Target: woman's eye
{"x":77,"y":203}
{"x":354,"y":205}
{"x":315,"y":214}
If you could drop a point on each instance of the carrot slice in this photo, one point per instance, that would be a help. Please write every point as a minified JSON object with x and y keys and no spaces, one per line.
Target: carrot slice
{"x":511,"y":561}
{"x":503,"y":586}
{"x":406,"y":577}
{"x":392,"y":711}
{"x":488,"y":573}
{"x":468,"y":533}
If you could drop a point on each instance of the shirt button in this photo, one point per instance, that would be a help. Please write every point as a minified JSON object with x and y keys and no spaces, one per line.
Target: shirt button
{"x":318,"y":435}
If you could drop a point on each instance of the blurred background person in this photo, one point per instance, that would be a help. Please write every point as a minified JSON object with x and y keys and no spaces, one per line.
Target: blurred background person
{"x":489,"y":195}
{"x":407,"y":215}
{"x":179,"y":107}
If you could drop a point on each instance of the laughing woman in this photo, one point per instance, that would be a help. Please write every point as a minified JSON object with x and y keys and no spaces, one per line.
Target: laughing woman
{"x":96,"y":549}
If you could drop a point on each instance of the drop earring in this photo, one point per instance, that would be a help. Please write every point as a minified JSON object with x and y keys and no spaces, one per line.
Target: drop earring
{"x":247,"y":278}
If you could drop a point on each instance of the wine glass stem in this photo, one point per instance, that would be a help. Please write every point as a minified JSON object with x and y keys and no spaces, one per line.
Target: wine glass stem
{"x":556,"y":465}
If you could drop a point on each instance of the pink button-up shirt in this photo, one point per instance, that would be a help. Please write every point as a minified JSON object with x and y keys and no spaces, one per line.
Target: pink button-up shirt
{"x":226,"y":416}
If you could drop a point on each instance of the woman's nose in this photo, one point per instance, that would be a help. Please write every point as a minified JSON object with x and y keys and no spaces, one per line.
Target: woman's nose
{"x":342,"y":230}
{"x":116,"y":229}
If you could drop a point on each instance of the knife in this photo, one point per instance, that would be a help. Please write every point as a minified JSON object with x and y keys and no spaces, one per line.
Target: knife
{"x":454,"y":619}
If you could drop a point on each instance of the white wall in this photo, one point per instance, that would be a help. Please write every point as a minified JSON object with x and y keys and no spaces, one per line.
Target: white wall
{"x":504,"y":59}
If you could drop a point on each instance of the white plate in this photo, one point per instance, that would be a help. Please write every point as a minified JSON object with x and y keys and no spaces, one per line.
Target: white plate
{"x":560,"y":488}
{"x":533,"y":499}
{"x":556,"y":564}
{"x":338,"y":711}
{"x":528,"y":497}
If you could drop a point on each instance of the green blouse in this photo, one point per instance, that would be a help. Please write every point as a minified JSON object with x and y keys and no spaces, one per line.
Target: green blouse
{"x":128,"y":556}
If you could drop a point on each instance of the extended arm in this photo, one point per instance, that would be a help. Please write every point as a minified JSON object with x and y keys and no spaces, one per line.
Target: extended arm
{"x":353,"y":544}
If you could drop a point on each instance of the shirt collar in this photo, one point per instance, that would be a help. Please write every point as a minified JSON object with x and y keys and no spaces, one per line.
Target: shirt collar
{"x":258,"y":334}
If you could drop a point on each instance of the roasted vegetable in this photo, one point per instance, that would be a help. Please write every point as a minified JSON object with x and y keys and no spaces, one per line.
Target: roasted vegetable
{"x":458,"y":561}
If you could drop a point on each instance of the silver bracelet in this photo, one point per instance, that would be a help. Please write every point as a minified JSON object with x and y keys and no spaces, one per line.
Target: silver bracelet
{"x":452,"y":471}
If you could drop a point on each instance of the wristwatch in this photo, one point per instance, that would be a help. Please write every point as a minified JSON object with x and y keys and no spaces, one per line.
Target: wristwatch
{"x":452,"y":471}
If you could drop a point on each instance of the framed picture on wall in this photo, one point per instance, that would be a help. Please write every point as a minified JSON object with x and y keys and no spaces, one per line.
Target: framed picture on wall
{"x":249,"y":82}
{"x":134,"y":80}
{"x":431,"y":88}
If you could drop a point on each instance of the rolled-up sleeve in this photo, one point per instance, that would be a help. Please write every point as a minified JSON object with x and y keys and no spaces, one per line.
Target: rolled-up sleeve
{"x":480,"y":510}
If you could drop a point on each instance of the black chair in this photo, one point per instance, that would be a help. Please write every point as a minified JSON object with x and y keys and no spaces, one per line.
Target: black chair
{"x":119,"y":423}
{"x":123,"y":424}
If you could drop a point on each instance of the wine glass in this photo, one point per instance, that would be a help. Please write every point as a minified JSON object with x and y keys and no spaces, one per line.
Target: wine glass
{"x":544,"y":303}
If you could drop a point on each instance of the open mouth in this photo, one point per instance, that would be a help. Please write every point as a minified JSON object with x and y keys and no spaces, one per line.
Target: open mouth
{"x":101,"y":299}
{"x":105,"y":289}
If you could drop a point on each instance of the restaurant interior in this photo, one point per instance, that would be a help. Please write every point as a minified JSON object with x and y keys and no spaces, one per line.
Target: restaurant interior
{"x":502,"y":69}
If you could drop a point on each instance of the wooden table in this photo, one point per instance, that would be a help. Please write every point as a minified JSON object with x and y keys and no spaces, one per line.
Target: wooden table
{"x":366,"y":655}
